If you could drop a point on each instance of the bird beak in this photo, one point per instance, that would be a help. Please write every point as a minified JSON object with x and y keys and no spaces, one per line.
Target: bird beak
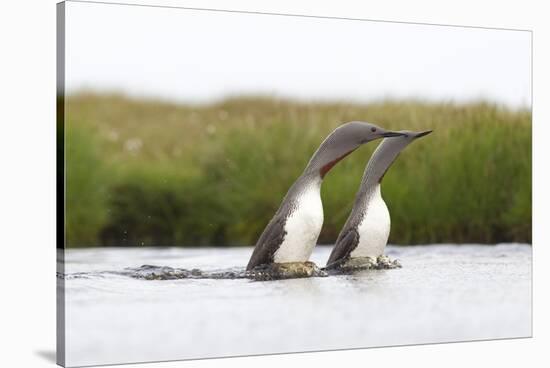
{"x":391,"y":134}
{"x":421,"y":134}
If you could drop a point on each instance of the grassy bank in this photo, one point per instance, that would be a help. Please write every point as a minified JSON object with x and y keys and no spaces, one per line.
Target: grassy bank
{"x":145,"y":172}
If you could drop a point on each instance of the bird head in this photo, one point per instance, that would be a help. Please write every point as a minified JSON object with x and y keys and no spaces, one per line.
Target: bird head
{"x":344,"y":140}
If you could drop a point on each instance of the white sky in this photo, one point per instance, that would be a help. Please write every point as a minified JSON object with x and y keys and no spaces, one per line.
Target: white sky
{"x":199,"y":56}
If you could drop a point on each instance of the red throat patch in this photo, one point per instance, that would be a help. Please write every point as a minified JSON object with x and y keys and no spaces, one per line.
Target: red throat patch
{"x":325,"y":169}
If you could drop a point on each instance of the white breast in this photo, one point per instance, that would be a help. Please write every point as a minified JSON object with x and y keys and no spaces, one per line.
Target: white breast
{"x":374,"y":229}
{"x":302,"y":227}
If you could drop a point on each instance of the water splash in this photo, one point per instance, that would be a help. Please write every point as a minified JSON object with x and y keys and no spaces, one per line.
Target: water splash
{"x":276,"y":271}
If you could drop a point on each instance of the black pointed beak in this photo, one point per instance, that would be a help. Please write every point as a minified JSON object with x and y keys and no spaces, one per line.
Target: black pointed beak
{"x":392,"y":134}
{"x":421,"y":134}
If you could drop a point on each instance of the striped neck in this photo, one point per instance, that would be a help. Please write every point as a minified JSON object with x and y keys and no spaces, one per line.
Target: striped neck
{"x":383,"y":157}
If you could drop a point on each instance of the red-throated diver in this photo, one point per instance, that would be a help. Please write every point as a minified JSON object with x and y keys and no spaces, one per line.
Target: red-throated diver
{"x":367,"y":229}
{"x":292,"y":233}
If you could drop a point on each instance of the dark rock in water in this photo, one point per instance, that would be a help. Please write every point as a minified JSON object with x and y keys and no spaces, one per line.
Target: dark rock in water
{"x":282,"y":271}
{"x":352,"y":265}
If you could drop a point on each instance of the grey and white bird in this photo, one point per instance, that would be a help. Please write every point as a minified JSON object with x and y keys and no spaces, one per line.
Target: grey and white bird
{"x":292,"y":233}
{"x":366,"y":231}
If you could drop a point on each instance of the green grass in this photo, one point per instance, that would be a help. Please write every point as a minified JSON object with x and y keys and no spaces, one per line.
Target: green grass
{"x":146,"y":172}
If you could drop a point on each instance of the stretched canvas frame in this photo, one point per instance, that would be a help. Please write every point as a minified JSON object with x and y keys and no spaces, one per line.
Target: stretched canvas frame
{"x":515,"y":302}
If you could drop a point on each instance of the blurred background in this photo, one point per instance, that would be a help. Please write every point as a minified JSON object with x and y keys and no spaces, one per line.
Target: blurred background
{"x":187,"y":127}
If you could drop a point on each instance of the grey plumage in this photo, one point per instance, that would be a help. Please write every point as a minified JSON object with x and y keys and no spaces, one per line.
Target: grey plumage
{"x":347,"y":241}
{"x":341,"y":142}
{"x":274,"y":233}
{"x":382,"y":158}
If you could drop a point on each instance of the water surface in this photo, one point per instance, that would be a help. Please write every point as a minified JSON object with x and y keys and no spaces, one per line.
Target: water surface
{"x":443,"y":293}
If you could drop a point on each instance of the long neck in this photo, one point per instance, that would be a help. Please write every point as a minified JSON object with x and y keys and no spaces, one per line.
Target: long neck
{"x":381,"y":160}
{"x":320,"y":163}
{"x":327,"y":155}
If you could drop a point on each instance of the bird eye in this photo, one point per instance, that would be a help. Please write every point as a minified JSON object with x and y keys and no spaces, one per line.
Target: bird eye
{"x":373,"y":130}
